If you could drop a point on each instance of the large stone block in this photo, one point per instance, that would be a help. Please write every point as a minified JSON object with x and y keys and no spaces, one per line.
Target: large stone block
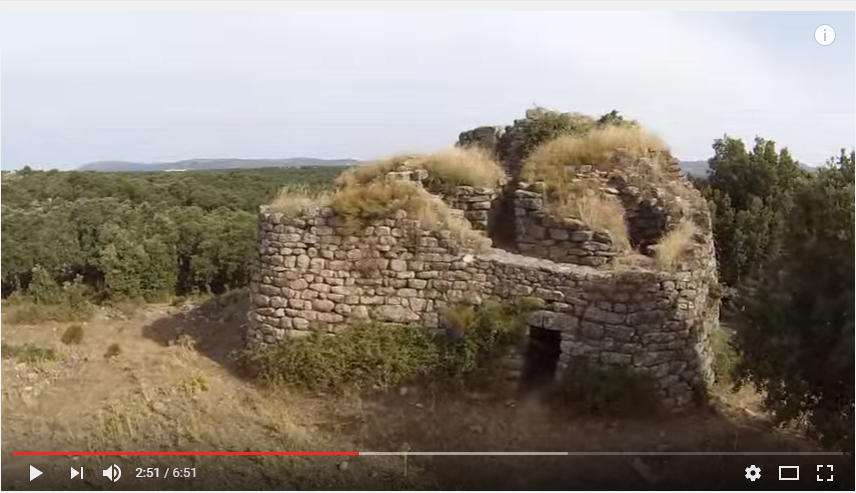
{"x":323,"y":305}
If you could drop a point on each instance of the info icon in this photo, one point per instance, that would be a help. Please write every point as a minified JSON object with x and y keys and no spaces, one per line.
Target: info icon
{"x":824,"y":35}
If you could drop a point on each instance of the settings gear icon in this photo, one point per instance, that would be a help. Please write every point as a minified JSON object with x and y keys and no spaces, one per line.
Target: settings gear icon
{"x":753,"y":473}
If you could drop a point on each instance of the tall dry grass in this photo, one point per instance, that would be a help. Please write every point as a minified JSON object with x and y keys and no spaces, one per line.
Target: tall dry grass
{"x":295,"y":198}
{"x":675,"y":244}
{"x":557,"y":163}
{"x":368,"y":172}
{"x":471,"y":166}
{"x":585,"y":201}
{"x":556,"y":160}
{"x":358,"y":204}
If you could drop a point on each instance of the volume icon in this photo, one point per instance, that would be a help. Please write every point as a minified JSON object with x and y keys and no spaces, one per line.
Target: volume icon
{"x":113,"y":473}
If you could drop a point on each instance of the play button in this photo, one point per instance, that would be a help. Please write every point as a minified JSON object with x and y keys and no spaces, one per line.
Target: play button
{"x":34,"y":473}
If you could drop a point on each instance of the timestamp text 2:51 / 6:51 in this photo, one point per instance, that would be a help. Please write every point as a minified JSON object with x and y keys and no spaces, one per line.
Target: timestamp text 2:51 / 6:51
{"x":175,"y":472}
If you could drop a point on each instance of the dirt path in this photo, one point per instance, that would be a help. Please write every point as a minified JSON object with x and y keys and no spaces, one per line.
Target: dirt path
{"x":172,"y":388}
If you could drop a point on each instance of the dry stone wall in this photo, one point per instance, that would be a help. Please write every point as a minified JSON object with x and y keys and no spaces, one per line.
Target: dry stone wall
{"x":474,"y":203}
{"x":310,"y":275}
{"x":539,"y":234}
{"x":486,"y":137}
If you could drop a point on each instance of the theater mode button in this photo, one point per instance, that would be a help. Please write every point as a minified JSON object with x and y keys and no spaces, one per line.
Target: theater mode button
{"x":789,"y":473}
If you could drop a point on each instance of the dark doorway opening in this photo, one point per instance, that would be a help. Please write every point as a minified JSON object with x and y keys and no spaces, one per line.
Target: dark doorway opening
{"x":542,"y":358}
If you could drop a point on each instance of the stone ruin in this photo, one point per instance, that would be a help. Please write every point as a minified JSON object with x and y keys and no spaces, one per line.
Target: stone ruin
{"x":313,"y":274}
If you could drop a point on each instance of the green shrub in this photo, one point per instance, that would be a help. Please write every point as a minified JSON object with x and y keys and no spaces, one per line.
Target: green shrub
{"x":46,"y":300}
{"x":725,"y":355}
{"x":43,"y":289}
{"x":540,"y":125}
{"x":375,"y":356}
{"x":113,"y":350}
{"x":369,"y":356}
{"x":73,"y":335}
{"x":796,"y":342}
{"x":28,"y":353}
{"x":715,"y":291}
{"x":480,"y":334}
{"x":607,"y":389}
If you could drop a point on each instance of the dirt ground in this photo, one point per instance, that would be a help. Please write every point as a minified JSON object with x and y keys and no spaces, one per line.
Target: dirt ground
{"x":173,"y":387}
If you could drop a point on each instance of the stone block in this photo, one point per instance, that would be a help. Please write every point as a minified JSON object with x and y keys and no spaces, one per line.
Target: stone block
{"x":599,"y":315}
{"x":323,"y":305}
{"x":580,"y":236}
{"x":417,"y":304}
{"x":278,"y":302}
{"x":616,"y":358}
{"x":330,"y":318}
{"x":269,"y":290}
{"x":558,"y":234}
{"x":261,"y":300}
{"x":591,"y":330}
{"x":406,"y":293}
{"x":298,"y":284}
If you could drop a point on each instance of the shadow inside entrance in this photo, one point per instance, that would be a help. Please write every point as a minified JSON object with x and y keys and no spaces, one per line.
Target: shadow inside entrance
{"x":541,"y":359}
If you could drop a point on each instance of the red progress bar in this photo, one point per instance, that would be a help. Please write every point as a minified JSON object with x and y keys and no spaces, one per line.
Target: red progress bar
{"x":185,"y":453}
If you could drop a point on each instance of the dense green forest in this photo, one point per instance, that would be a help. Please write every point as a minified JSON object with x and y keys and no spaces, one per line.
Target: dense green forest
{"x":139,"y":235}
{"x":784,"y":243}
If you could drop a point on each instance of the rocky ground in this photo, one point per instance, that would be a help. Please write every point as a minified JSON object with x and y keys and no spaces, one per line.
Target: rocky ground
{"x":170,"y":386}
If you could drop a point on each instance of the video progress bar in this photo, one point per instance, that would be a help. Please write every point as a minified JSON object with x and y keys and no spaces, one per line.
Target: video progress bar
{"x":791,"y":454}
{"x":585,"y":454}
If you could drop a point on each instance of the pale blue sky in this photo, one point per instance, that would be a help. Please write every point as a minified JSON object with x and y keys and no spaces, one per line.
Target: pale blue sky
{"x":82,"y":87}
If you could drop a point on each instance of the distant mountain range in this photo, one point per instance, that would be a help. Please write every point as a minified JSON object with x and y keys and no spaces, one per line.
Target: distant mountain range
{"x":694,"y":168}
{"x":212,"y":164}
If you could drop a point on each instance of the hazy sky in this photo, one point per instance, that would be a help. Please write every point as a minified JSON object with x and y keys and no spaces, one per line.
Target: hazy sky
{"x":82,"y":87}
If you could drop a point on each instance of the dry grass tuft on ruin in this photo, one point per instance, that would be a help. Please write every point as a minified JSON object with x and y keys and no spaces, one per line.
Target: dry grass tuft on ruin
{"x":294,"y":199}
{"x":558,"y":160}
{"x":446,"y":169}
{"x":573,"y":193}
{"x":675,"y":244}
{"x":584,"y":200}
{"x":360,"y":204}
